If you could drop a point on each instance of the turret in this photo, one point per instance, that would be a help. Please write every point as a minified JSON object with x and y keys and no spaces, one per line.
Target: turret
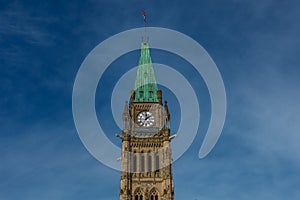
{"x":126,"y":117}
{"x":166,"y":115}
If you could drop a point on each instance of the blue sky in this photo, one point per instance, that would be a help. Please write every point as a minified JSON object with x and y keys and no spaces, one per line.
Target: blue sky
{"x":255,"y":45}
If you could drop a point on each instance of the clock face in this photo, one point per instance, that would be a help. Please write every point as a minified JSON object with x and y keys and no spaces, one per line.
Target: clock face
{"x":145,"y":119}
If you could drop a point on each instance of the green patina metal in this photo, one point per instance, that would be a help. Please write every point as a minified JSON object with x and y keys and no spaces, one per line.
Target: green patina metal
{"x":145,"y":84}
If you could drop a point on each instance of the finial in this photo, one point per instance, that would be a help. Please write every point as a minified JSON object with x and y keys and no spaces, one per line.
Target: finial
{"x":126,"y":111}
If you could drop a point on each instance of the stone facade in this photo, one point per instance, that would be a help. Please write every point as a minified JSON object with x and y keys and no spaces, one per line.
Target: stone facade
{"x":146,"y":153}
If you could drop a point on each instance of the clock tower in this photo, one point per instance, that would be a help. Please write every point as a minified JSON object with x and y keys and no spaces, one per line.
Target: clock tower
{"x":146,"y":154}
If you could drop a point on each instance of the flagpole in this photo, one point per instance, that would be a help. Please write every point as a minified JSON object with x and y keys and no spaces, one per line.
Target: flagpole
{"x":145,"y":34}
{"x":145,"y":31}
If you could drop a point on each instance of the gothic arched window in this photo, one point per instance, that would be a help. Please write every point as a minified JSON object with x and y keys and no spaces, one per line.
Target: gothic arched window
{"x":138,"y":194}
{"x":154,"y":195}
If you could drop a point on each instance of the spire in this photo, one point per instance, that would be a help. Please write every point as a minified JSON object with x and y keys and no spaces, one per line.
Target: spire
{"x":126,"y":111}
{"x":166,"y":111}
{"x":126,"y":117}
{"x":145,"y":84}
{"x":145,"y":88}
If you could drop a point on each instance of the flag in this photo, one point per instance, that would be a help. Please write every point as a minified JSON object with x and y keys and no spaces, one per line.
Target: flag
{"x":144,"y":15}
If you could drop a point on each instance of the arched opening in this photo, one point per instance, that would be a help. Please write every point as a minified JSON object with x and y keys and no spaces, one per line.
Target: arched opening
{"x":138,"y":195}
{"x":141,"y":94}
{"x":150,"y":94}
{"x":154,"y":195}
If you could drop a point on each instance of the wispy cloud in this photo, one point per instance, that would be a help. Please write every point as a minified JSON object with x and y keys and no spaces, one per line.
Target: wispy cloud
{"x":16,"y":20}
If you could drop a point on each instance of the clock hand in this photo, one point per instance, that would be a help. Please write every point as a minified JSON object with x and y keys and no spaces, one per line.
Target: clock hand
{"x":147,"y":117}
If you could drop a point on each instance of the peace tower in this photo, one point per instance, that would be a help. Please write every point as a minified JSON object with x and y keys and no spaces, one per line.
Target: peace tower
{"x":146,"y":154}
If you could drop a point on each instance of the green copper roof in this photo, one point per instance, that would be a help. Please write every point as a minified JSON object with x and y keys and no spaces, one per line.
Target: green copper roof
{"x":145,"y":85}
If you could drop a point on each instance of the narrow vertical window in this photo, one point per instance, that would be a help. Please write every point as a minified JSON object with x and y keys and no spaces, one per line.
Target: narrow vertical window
{"x":134,"y":163}
{"x":142,"y":162}
{"x":149,"y":162}
{"x":157,"y":162}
